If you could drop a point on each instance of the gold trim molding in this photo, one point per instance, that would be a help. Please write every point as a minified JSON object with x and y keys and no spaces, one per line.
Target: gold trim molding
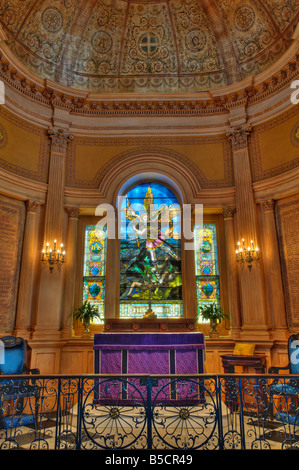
{"x":249,"y":91}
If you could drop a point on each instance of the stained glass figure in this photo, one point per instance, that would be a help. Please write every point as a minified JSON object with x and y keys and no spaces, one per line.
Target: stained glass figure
{"x":206,"y":266}
{"x":95,"y":267}
{"x":150,"y":252}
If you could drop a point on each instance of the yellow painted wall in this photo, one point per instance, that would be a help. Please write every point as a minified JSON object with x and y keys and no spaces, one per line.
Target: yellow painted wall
{"x":276,"y":147}
{"x":23,"y":143}
{"x":24,"y":151}
{"x":89,"y":158}
{"x":208,"y":157}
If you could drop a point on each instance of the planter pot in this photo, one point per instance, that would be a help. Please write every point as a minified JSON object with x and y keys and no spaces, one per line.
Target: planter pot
{"x":86,"y":331}
{"x":213,"y":328}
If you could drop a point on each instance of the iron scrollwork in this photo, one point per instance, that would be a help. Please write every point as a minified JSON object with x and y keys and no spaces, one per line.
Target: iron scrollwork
{"x":184,"y":415}
{"x":150,"y":412}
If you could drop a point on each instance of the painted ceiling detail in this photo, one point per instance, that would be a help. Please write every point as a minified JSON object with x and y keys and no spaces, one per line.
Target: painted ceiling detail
{"x":118,"y":46}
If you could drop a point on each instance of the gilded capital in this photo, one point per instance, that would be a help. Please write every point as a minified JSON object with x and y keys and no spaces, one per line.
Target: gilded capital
{"x":31,"y":206}
{"x":239,"y":136}
{"x":72,"y":212}
{"x":268,"y":205}
{"x":59,"y":139}
{"x":228,"y":212}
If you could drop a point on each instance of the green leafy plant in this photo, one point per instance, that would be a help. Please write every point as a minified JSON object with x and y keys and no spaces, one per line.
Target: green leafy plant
{"x":212,"y":312}
{"x":86,"y":313}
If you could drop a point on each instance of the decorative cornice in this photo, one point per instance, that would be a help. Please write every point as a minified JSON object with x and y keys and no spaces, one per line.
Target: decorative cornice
{"x":13,"y":73}
{"x":91,"y":198}
{"x":278,"y":187}
{"x":20,"y":187}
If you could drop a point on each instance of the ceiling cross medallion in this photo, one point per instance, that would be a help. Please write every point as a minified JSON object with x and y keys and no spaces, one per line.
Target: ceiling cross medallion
{"x":148,"y":44}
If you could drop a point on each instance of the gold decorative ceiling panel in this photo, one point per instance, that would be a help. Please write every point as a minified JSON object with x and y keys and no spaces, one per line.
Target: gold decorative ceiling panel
{"x":119,"y":46}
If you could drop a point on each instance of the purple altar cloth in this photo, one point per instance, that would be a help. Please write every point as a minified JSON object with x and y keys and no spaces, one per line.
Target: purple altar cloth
{"x":149,"y":353}
{"x":148,"y":341}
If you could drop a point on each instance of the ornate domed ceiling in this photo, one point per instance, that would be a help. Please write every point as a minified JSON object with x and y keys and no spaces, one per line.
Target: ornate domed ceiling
{"x":117,"y":46}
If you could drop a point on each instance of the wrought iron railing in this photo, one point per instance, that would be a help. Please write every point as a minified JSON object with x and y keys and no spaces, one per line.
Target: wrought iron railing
{"x":149,"y":412}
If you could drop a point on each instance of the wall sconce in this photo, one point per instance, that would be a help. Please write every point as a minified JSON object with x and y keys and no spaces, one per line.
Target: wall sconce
{"x":247,"y":255}
{"x":52,"y":256}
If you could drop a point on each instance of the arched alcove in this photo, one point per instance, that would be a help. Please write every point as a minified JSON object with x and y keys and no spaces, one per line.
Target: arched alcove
{"x":151,"y":176}
{"x":163,"y":165}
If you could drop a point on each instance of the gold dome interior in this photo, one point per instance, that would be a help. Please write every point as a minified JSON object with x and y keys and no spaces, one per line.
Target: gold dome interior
{"x":119,"y":46}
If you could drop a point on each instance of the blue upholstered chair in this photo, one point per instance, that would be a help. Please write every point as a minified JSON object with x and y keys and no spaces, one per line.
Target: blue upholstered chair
{"x":16,"y":394}
{"x":288,"y":389}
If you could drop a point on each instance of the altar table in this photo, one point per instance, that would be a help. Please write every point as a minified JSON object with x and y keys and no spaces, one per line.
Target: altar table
{"x":149,"y":353}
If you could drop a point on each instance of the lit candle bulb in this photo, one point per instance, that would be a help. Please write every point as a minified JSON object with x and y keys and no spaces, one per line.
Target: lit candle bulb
{"x":58,"y":254}
{"x":50,"y":253}
{"x":63,"y":255}
{"x":54,"y":245}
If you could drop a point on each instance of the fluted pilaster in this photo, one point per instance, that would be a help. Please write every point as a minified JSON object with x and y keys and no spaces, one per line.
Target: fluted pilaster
{"x":50,"y":289}
{"x":27,"y":272}
{"x":112,"y":287}
{"x":55,"y":197}
{"x":232,"y":271}
{"x":252,"y":291}
{"x":271,"y":260}
{"x":70,"y":272}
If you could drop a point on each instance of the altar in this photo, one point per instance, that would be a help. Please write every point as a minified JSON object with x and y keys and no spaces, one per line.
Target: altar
{"x":149,"y":353}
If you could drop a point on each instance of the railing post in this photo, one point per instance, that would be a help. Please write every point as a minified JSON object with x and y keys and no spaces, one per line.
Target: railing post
{"x":58,"y":415}
{"x":219,"y":411}
{"x":79,"y":413}
{"x":149,"y":414}
{"x":242,"y":430}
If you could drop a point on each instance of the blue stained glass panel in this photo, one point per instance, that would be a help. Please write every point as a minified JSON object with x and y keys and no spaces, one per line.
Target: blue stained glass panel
{"x":95,"y":266}
{"x":206,"y":266}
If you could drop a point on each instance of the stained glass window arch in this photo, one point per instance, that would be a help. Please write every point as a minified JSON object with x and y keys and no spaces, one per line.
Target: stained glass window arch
{"x":206,"y":266}
{"x":150,"y":252}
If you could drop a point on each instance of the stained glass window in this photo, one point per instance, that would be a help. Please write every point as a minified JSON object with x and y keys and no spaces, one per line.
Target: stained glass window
{"x":206,"y":266}
{"x":95,"y":267}
{"x":150,"y":252}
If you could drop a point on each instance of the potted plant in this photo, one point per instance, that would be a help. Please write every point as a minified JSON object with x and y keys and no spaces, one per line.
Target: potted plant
{"x":214,"y":314}
{"x":86,"y":313}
